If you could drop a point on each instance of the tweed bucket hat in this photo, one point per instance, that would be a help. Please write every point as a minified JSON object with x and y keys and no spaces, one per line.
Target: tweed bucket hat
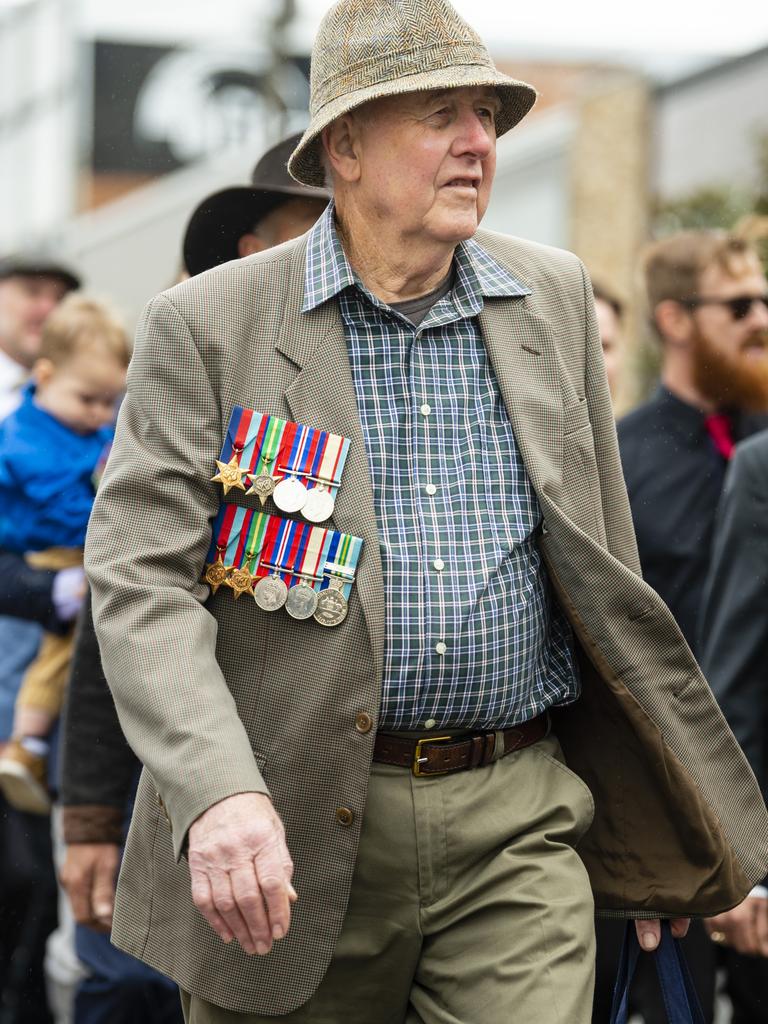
{"x":366,"y":49}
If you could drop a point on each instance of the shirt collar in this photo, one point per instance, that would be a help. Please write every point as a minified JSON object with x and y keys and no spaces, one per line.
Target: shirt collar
{"x":328,"y":271}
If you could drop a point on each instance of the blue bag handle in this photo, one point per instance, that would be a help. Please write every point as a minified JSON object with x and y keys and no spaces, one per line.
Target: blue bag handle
{"x":677,"y":990}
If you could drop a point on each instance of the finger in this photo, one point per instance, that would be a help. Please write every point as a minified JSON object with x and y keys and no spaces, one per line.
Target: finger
{"x":103,"y":891}
{"x":679,"y":927}
{"x":78,"y":888}
{"x":275,"y":890}
{"x":648,"y":934}
{"x":224,"y":901}
{"x":202,"y":897}
{"x":761,"y":927}
{"x":250,"y":902}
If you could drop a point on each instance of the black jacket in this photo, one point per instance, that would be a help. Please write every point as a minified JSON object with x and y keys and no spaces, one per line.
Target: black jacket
{"x":733,"y":639}
{"x":98,"y":768}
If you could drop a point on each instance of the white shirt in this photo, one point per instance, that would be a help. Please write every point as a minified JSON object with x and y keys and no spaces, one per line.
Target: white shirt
{"x":13,"y":376}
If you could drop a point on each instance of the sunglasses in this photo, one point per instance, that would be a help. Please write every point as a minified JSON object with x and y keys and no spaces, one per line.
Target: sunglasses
{"x":740,"y":306}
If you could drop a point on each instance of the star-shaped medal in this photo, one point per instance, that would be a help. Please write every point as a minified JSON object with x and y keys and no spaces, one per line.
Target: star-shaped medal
{"x":216,"y":573}
{"x":240,"y":580}
{"x":230,"y":475}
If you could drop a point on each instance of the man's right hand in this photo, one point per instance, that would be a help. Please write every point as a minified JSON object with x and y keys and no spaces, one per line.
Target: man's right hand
{"x":88,"y":876}
{"x":241,"y":871}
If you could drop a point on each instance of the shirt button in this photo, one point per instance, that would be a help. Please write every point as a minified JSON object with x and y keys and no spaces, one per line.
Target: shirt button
{"x":438,"y":564}
{"x":430,"y":723}
{"x":441,"y":648}
{"x":344,"y":816}
{"x":430,"y":489}
{"x":363,"y":722}
{"x":425,"y":409}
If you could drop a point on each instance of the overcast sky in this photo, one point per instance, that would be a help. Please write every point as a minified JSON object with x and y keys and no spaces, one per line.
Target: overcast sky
{"x":589,"y":26}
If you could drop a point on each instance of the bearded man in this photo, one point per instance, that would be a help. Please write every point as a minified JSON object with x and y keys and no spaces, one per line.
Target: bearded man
{"x":707,"y":294}
{"x":356,"y":805}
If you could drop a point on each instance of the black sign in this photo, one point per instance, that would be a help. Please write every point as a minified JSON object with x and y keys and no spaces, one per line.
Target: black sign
{"x":156,"y":108}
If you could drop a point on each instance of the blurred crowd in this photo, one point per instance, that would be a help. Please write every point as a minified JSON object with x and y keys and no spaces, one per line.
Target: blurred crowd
{"x":695,"y":457}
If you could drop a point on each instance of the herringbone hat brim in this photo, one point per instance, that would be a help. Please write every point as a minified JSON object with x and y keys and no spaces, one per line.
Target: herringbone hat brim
{"x":369,"y":49}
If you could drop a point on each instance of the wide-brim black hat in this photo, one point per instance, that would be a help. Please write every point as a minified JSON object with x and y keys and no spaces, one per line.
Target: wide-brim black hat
{"x":38,"y":264}
{"x":222,"y":218}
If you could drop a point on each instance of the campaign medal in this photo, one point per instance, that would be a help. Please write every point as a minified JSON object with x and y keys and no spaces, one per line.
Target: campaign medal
{"x":342,"y":558}
{"x":262,"y":481}
{"x":230,"y":474}
{"x":216,"y":572}
{"x":319,"y":505}
{"x":290,"y":494}
{"x":332,"y":606}
{"x":301,"y":601}
{"x":240,"y":580}
{"x":325,"y":477}
{"x":311,"y":545}
{"x":270,"y":593}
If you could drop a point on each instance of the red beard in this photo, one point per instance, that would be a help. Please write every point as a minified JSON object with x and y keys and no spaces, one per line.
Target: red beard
{"x":732,"y":381}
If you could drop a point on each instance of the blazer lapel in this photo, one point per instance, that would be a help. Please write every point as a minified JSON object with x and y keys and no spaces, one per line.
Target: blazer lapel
{"x":323,"y":395}
{"x":522,"y":349}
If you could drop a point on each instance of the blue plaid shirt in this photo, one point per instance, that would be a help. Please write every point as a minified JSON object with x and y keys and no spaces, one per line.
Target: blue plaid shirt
{"x":473,"y":636}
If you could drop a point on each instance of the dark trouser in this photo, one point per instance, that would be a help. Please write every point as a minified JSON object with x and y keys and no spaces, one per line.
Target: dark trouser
{"x":746,"y":978}
{"x":27,"y":914}
{"x":121,"y":989}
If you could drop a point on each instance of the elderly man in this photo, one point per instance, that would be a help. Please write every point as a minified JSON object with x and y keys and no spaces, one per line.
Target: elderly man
{"x":372,"y":796}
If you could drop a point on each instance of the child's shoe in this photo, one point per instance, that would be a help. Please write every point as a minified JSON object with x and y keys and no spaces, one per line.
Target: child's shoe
{"x":24,"y":775}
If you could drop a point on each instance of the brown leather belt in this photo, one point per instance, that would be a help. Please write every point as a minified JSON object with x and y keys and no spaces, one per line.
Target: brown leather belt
{"x":439,"y":755}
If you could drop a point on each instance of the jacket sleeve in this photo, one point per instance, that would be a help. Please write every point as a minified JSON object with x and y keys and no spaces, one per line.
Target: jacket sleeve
{"x":147,"y":540}
{"x":615,"y":504}
{"x":98,"y":768}
{"x":27,"y":593}
{"x":733,"y":633}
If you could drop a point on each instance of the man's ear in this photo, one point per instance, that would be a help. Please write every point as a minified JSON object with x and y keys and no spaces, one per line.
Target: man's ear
{"x":340,"y":140}
{"x":674,"y":322}
{"x":249,"y":243}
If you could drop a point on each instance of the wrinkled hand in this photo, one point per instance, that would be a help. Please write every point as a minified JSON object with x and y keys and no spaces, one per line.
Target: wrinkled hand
{"x":88,"y":875}
{"x":241,"y":871}
{"x":649,"y":932}
{"x":745,"y":927}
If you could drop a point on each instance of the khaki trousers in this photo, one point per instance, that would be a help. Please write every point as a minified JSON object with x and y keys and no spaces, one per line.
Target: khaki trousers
{"x":469,"y":904}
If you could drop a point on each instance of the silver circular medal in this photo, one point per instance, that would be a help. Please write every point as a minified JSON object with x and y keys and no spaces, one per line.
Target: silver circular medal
{"x":270,"y":593}
{"x":319,"y":505}
{"x":290,"y":494}
{"x":332,"y":607}
{"x":301,"y":601}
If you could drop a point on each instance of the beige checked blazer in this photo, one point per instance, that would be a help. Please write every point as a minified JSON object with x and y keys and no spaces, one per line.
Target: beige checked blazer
{"x":217,"y":697}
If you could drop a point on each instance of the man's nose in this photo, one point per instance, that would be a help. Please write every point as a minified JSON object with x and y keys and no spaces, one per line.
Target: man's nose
{"x":475,"y":135}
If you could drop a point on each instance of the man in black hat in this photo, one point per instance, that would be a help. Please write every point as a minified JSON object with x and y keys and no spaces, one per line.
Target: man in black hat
{"x":245,"y":219}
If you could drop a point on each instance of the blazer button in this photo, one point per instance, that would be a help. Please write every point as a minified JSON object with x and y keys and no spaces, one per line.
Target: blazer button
{"x":344,"y":816}
{"x":363,"y":722}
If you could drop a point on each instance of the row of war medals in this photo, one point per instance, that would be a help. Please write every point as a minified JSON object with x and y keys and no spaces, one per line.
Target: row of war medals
{"x":290,"y":494}
{"x":328,"y":607}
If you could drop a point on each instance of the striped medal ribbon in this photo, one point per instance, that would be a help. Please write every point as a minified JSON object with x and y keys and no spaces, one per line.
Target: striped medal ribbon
{"x":271,"y":591}
{"x":325,"y":478}
{"x":263,"y":481}
{"x":339,"y":575}
{"x":290,"y":494}
{"x":302,"y":597}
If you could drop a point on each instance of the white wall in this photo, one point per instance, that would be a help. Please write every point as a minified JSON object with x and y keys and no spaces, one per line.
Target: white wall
{"x":531,"y":192}
{"x":39,"y":85}
{"x":705,"y":126}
